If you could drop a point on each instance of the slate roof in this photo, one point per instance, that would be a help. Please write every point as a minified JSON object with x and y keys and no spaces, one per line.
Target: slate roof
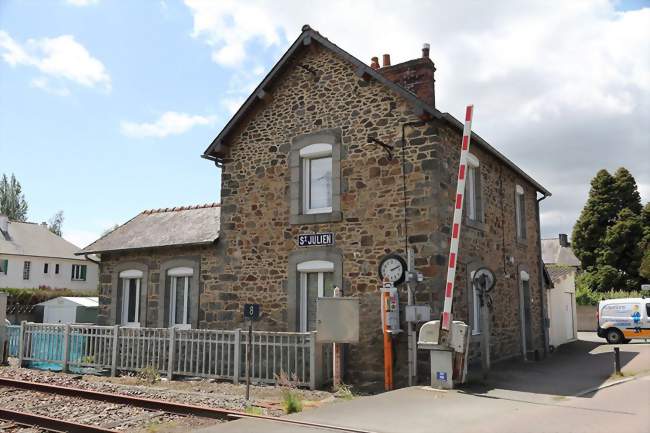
{"x":216,"y":149}
{"x":188,"y":225}
{"x":554,"y":253}
{"x":31,"y":239}
{"x":558,"y":273}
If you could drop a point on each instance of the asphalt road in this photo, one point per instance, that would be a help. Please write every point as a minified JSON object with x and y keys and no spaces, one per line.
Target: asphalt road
{"x":563,"y":393}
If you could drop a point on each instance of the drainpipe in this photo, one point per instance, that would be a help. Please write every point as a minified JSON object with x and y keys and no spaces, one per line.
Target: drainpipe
{"x":541,"y":275}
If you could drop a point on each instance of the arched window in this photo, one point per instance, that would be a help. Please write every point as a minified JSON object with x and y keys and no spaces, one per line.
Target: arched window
{"x":473,"y":189}
{"x":179,"y":295}
{"x":130,"y":283}
{"x":520,"y":212}
{"x":316,"y":281}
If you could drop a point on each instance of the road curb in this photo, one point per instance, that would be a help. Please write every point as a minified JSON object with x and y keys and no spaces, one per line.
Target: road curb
{"x":603,"y":386}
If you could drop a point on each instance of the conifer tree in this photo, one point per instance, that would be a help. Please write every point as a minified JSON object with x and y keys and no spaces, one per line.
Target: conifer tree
{"x":12,"y":200}
{"x":599,"y":212}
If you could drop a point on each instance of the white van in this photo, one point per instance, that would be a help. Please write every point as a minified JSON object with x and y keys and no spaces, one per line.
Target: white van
{"x":620,"y":320}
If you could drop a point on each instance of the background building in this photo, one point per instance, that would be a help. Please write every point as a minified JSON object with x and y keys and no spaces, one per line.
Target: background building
{"x":31,"y":256}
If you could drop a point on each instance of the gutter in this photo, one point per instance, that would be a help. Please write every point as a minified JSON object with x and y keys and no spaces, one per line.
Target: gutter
{"x":90,"y":260}
{"x":545,"y":320}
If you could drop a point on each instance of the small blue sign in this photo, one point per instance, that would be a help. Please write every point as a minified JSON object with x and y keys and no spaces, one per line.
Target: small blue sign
{"x":636,"y":317}
{"x":441,"y":376}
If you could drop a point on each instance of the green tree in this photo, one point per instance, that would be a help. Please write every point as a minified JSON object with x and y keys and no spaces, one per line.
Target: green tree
{"x":56,"y":223}
{"x":599,"y":212}
{"x":644,"y":269}
{"x":12,"y":200}
{"x":621,"y":248}
{"x":627,"y":192}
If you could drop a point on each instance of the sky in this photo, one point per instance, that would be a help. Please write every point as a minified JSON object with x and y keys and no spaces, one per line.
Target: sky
{"x":106,"y":106}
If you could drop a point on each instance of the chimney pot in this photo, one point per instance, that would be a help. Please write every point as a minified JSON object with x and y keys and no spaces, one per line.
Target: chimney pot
{"x":374,"y":62}
{"x":386,"y":60}
{"x":425,"y":50}
{"x":564,"y":240}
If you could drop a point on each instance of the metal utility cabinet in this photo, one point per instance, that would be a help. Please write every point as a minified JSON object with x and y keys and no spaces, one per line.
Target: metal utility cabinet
{"x":445,"y":357}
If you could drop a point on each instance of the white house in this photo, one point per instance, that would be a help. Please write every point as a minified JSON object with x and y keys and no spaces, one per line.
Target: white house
{"x":562,"y":266}
{"x":32,"y":256}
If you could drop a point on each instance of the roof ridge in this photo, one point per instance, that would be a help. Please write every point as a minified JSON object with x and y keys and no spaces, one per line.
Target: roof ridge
{"x":179,"y":208}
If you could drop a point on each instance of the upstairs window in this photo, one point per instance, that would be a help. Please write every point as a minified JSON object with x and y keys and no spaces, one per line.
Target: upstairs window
{"x":78,"y":272}
{"x":473,"y":189}
{"x":4,"y":266}
{"x":26,"y":268}
{"x":520,"y":212}
{"x":317,"y":178}
{"x":46,"y":268}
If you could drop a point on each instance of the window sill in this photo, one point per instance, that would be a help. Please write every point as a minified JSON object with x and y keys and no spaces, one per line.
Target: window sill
{"x":522,"y":242}
{"x":474,"y":224}
{"x":316,"y":218}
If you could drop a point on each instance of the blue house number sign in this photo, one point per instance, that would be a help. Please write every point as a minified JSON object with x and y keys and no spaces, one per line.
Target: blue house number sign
{"x":315,"y":239}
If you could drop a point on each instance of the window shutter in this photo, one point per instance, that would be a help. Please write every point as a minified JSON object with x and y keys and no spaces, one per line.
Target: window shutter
{"x":83,"y":272}
{"x":4,"y":265}
{"x":72,"y":272}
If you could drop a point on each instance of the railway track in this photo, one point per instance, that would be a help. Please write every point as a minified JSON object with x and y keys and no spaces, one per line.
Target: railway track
{"x":117,"y":412}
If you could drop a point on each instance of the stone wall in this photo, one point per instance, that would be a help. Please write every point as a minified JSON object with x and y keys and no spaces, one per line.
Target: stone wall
{"x":153,"y":260}
{"x":257,"y":238}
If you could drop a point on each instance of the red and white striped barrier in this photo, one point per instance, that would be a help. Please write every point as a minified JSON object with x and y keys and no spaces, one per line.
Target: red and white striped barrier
{"x":458,"y":218}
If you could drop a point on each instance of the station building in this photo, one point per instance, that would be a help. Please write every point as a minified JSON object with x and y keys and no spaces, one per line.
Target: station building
{"x":316,"y":150}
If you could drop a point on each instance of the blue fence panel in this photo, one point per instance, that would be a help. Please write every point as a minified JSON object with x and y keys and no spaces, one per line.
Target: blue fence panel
{"x":13,"y":336}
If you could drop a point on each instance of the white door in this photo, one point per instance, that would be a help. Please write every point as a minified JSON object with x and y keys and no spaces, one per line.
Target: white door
{"x":568,"y":315}
{"x":316,"y":281}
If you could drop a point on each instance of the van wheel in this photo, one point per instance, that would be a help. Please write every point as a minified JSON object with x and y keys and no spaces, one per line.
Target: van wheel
{"x":614,"y":336}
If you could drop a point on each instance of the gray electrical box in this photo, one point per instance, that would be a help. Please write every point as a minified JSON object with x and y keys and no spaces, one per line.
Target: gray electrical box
{"x":418,"y":313}
{"x":337,"y":320}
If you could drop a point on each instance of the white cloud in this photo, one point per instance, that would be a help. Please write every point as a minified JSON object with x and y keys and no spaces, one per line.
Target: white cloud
{"x":562,"y":88}
{"x":81,"y":3}
{"x":169,"y":123}
{"x":61,"y":58}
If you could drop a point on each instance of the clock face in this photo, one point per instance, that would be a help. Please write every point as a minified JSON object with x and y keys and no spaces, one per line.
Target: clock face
{"x":393,"y":268}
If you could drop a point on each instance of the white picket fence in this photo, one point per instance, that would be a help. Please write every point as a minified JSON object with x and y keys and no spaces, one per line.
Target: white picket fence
{"x":177,"y":352}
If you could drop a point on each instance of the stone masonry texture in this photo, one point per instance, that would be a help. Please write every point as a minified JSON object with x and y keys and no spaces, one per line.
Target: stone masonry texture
{"x":250,"y":261}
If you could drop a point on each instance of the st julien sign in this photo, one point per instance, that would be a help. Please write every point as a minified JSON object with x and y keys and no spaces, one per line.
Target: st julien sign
{"x":315,"y":239}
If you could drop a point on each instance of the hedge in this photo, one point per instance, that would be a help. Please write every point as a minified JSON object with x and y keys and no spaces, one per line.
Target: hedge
{"x":35,"y":296}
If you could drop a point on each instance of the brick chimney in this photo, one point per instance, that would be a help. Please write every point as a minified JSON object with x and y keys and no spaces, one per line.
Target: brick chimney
{"x":414,"y":75}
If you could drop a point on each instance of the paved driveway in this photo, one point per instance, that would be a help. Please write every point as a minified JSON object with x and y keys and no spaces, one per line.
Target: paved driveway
{"x":556,"y":395}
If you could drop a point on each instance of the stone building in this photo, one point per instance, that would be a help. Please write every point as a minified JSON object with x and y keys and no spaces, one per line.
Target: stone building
{"x":317,"y":148}
{"x":155,"y":266}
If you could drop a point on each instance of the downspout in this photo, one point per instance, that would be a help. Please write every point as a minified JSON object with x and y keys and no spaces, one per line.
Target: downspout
{"x":544,"y":322}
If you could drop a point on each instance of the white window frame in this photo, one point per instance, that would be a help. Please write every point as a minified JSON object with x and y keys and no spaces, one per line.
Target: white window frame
{"x":304,"y":268}
{"x":76,"y":273}
{"x":27,"y":266}
{"x":125,"y":277}
{"x":307,"y":154}
{"x":472,"y":172}
{"x":476,"y":308}
{"x":184,"y":273}
{"x":519,"y":204}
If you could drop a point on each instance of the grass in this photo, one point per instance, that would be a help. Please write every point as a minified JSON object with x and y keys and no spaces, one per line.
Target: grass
{"x":254,"y":410}
{"x":291,"y":402}
{"x":344,"y":392}
{"x":149,"y":375}
{"x":156,"y":426}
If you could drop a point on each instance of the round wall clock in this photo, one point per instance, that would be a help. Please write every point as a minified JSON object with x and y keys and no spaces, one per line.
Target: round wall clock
{"x":393,"y":267}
